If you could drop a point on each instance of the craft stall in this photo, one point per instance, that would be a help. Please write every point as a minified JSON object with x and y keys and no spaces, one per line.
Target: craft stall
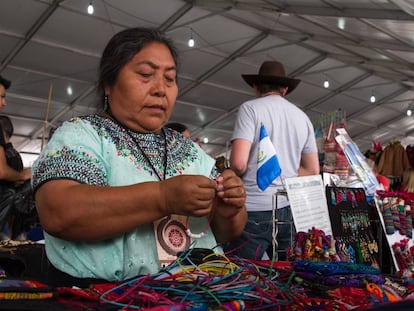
{"x":200,"y":280}
{"x":334,"y":268}
{"x":337,"y":261}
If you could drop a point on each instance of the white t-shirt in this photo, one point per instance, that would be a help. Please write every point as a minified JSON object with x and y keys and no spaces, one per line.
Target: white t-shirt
{"x":292,"y":134}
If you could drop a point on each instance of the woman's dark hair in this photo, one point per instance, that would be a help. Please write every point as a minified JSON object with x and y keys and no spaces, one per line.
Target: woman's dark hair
{"x":7,"y":126}
{"x":123,"y":46}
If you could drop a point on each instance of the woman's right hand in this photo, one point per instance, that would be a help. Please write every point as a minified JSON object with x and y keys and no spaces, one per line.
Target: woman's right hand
{"x":189,"y":195}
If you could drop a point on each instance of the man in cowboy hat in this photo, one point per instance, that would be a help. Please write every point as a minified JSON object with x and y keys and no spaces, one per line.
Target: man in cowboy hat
{"x":292,"y":135}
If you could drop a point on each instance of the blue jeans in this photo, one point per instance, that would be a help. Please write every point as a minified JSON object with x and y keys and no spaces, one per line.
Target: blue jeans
{"x":257,"y":237}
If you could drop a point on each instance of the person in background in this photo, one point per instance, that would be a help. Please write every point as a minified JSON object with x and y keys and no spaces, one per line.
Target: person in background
{"x":179,"y":127}
{"x":5,"y":196}
{"x":183,"y":129}
{"x":103,"y":180}
{"x":14,"y":179}
{"x":12,"y":173}
{"x":293,"y":137}
{"x":4,"y":85}
{"x":11,"y":163}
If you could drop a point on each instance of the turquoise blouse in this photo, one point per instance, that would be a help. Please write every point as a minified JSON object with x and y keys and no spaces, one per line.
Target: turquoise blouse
{"x":98,"y":151}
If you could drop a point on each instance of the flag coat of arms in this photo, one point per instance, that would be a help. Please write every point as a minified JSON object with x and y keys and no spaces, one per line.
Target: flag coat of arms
{"x":268,"y":167}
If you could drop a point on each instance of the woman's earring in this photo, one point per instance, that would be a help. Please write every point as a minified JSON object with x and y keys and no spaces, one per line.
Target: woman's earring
{"x":106,"y":102}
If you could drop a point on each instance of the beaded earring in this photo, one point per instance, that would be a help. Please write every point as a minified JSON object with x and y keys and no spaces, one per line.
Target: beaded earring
{"x":106,"y":102}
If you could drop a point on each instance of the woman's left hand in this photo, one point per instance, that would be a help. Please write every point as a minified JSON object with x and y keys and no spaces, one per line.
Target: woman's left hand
{"x":230,"y":216}
{"x":231,"y":190}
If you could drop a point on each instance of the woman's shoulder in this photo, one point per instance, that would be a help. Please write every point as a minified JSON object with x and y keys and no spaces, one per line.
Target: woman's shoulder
{"x":89,"y":120}
{"x":88,"y":123}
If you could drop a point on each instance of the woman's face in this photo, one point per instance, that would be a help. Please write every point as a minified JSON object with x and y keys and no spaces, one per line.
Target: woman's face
{"x":145,"y":90}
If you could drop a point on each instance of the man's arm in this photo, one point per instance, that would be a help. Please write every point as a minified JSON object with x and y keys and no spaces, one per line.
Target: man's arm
{"x":309,"y":164}
{"x":239,"y":156}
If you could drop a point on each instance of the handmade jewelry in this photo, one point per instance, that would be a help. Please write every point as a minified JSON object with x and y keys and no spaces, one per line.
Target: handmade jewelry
{"x":388,"y":219}
{"x":172,"y":232}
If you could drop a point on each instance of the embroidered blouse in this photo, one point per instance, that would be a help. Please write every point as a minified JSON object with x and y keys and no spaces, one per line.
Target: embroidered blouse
{"x":98,"y":151}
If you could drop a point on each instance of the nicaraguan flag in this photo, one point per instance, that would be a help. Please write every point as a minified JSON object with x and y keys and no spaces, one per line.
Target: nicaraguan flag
{"x":268,"y":168}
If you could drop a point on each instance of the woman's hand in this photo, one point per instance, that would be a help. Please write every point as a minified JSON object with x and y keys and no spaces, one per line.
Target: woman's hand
{"x":189,"y":195}
{"x":195,"y":195}
{"x":230,"y":215}
{"x":231,"y":190}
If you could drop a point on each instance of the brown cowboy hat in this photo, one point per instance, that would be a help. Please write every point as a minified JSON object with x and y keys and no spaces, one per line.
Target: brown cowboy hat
{"x":272,"y":72}
{"x":6,"y":83}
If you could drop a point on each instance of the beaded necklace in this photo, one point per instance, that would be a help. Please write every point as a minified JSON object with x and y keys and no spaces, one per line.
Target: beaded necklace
{"x":165,"y":164}
{"x":147,"y":159}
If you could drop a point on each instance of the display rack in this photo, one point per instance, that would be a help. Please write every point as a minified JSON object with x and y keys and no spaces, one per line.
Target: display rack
{"x":276,"y":222}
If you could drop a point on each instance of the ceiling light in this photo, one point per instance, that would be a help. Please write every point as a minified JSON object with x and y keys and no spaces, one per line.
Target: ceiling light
{"x":326,"y":84}
{"x":341,"y":23}
{"x":205,"y":140}
{"x":69,"y":90}
{"x":373,"y":98}
{"x":90,"y":8}
{"x":409,"y":112}
{"x":191,"y":42}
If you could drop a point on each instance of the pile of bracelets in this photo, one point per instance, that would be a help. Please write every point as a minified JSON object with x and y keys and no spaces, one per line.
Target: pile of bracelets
{"x":219,"y":283}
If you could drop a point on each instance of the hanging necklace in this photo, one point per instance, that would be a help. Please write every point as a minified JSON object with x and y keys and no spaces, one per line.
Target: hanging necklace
{"x":165,"y":163}
{"x":144,"y":154}
{"x":171,"y":237}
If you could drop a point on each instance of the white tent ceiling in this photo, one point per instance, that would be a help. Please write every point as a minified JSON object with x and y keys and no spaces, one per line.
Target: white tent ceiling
{"x":364,"y":48}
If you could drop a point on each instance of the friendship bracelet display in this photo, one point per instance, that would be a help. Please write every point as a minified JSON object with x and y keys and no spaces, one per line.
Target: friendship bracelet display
{"x":349,"y":213}
{"x":396,"y":212}
{"x":232,"y":284}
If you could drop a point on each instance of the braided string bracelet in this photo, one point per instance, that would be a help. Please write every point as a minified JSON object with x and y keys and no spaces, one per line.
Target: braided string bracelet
{"x":208,"y":225}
